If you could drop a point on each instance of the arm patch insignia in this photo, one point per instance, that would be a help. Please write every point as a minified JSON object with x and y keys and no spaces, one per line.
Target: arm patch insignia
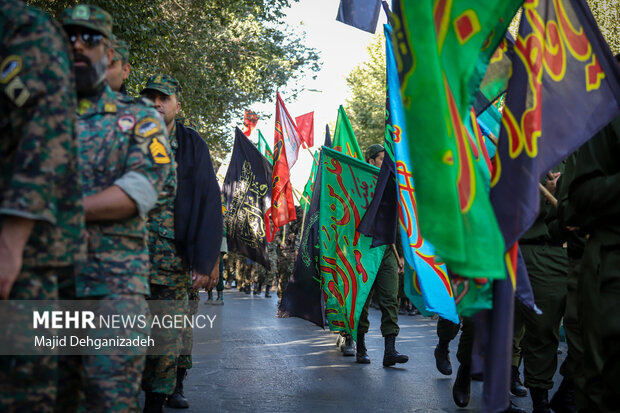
{"x":10,"y":66}
{"x":158,"y":152}
{"x":147,"y":127}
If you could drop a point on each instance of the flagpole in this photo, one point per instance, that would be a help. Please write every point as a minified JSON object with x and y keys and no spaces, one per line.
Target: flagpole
{"x":303,"y":144}
{"x":542,"y":188}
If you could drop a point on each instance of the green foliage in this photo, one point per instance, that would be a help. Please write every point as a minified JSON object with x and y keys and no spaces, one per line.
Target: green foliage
{"x":607,"y":15}
{"x":366,"y":106}
{"x":227,"y":54}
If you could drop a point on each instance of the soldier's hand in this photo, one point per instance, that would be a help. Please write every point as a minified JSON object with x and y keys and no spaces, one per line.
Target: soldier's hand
{"x":552,"y":181}
{"x":207,"y":281}
{"x":401,"y":265}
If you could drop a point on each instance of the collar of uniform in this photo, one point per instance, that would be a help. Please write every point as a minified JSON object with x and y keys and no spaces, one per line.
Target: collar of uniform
{"x":174,"y":144}
{"x":105,"y":104}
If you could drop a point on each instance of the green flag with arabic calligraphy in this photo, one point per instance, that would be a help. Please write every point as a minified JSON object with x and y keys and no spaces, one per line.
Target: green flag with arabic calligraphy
{"x":442,"y":48}
{"x":347,"y":264}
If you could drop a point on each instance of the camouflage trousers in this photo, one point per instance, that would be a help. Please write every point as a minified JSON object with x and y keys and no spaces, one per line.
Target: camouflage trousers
{"x":263,"y":275}
{"x":229,"y":268}
{"x":105,"y":383}
{"x":160,"y":371}
{"x":245,"y":271}
{"x":29,"y":382}
{"x":187,"y":339}
{"x":285,"y":269}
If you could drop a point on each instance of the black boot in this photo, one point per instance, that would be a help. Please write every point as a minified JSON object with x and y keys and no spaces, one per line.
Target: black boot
{"x":461,"y":387}
{"x":402,"y":309}
{"x":362,"y":355}
{"x":516,"y":386}
{"x":563,"y":401}
{"x":390,"y":355}
{"x":540,"y":400}
{"x":154,"y":402}
{"x":442,"y":358}
{"x":267,"y":288}
{"x":348,"y":348}
{"x":178,"y":400}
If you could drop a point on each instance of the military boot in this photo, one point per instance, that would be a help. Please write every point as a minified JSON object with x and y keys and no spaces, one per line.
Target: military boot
{"x":178,"y":400}
{"x":442,"y":357}
{"x":154,"y":402}
{"x":516,"y":386}
{"x":461,"y":386}
{"x":209,"y":297}
{"x":362,"y":355}
{"x":540,"y":400}
{"x":390,"y":355}
{"x":348,"y":348}
{"x":220,"y":298}
{"x":563,"y":401}
{"x":267,"y":288}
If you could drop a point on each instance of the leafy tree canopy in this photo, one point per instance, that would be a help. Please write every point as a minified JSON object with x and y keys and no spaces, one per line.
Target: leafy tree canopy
{"x":366,"y":105}
{"x":227,"y":54}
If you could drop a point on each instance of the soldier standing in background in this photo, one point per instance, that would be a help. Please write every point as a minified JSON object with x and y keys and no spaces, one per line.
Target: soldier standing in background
{"x":119,"y":68}
{"x":41,"y":214}
{"x":182,"y":250}
{"x":286,"y":251}
{"x":124,"y":157}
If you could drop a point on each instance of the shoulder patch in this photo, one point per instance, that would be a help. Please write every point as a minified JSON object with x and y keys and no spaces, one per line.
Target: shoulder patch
{"x":147,"y":127}
{"x":158,"y":152}
{"x":126,"y":122}
{"x":110,"y":108}
{"x":10,"y":67}
{"x":16,"y":91}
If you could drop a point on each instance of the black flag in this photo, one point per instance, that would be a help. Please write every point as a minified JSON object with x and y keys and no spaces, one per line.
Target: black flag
{"x":247,"y":196}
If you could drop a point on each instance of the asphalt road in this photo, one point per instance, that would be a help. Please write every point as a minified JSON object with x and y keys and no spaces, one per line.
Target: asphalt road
{"x":259,"y":363}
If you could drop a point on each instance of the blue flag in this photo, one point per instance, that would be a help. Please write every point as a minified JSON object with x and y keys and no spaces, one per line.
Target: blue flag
{"x":431,"y":277}
{"x":565,"y":86}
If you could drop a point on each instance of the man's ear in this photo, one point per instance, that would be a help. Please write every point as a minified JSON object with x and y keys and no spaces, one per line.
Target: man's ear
{"x":110,"y":54}
{"x":126,"y":70}
{"x":178,"y":105}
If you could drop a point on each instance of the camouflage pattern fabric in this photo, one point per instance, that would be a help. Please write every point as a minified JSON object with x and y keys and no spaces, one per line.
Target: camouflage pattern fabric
{"x":38,"y":180}
{"x":287,"y":252}
{"x":167,"y":267}
{"x":117,"y":135}
{"x":160,"y":372}
{"x":88,"y":16}
{"x":104,"y":383}
{"x":187,"y":339}
{"x":38,"y":175}
{"x":164,"y":84}
{"x":265,"y":276}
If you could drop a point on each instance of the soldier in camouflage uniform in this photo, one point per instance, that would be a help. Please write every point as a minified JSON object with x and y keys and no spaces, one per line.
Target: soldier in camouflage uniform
{"x":287,"y":252}
{"x":118,"y":70}
{"x":170,"y":275}
{"x":264,"y":276}
{"x":41,"y":215}
{"x":124,"y":157}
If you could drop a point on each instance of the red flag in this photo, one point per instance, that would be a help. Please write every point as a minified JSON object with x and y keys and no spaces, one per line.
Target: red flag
{"x":249,"y":122}
{"x":305,"y":126}
{"x":285,"y":149}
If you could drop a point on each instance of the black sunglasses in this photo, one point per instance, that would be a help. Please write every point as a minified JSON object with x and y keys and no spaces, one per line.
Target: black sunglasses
{"x":90,"y":38}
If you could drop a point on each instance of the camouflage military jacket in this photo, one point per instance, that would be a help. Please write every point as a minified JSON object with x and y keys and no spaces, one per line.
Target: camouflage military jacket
{"x":167,"y":268}
{"x":118,"y":135}
{"x":38,"y":149}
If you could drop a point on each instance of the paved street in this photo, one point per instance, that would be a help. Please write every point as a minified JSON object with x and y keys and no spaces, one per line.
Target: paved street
{"x":262,"y":364}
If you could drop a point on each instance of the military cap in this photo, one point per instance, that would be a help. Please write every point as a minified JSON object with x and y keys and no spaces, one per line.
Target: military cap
{"x":91,"y":17}
{"x":373,"y":150}
{"x":164,"y":84}
{"x":121,"y":49}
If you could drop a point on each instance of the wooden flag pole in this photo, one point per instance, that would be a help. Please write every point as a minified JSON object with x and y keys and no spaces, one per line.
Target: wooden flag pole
{"x":542,"y":188}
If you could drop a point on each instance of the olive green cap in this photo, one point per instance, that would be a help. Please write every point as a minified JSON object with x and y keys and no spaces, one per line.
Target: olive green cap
{"x":164,"y":84}
{"x":373,"y":150}
{"x":91,"y":17}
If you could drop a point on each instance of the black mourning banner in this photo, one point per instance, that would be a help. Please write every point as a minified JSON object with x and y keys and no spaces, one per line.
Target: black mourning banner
{"x":247,"y":196}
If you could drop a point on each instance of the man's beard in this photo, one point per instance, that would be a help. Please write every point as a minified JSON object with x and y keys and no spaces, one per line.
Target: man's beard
{"x":88,"y":77}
